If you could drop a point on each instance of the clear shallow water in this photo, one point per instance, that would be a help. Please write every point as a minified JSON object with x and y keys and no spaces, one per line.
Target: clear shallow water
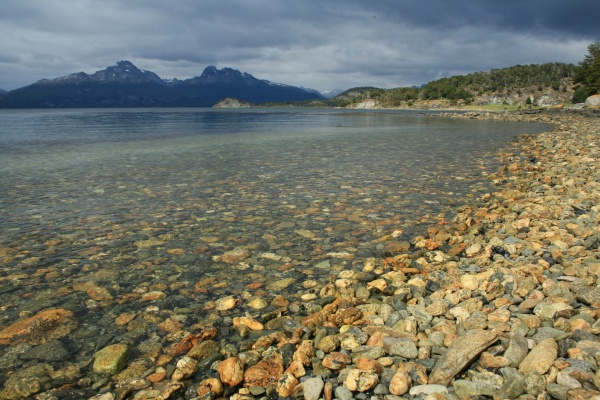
{"x":143,"y":200}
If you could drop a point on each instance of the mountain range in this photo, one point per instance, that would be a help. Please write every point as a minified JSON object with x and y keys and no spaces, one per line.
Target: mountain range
{"x":125,"y":85}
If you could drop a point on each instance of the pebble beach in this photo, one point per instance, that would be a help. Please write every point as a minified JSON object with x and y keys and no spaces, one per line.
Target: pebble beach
{"x":500,"y":300}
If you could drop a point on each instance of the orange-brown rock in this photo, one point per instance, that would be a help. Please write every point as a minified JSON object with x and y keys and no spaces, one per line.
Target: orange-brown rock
{"x":266,"y":372}
{"x":313,"y":320}
{"x":296,"y":368}
{"x":305,"y":352}
{"x":346,"y":316}
{"x":249,"y":322}
{"x":125,"y":318}
{"x":286,"y":384}
{"x":95,"y":292}
{"x":231,"y":371}
{"x":367,"y":364}
{"x":210,"y":385}
{"x":360,"y":381}
{"x":400,"y":383}
{"x":45,"y":325}
{"x":336,"y":360}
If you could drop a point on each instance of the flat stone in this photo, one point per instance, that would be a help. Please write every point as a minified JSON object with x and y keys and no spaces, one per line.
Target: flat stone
{"x":42,"y":327}
{"x":588,"y":295}
{"x":427,"y":389}
{"x":567,"y":380}
{"x":281,"y":284}
{"x":404,"y":348}
{"x":517,"y":350}
{"x":233,"y":256}
{"x":583,"y":394}
{"x":460,"y":353}
{"x":367,"y":352}
{"x":549,"y":310}
{"x":546,"y":332}
{"x":26,"y":382}
{"x":464,"y":388}
{"x":111,"y":359}
{"x":540,"y":358}
{"x":49,"y":351}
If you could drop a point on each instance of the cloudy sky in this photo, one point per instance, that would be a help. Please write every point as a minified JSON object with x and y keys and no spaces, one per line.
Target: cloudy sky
{"x":320,"y":44}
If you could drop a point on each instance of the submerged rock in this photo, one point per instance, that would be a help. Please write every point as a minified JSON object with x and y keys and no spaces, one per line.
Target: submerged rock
{"x":42,"y":327}
{"x":111,"y":359}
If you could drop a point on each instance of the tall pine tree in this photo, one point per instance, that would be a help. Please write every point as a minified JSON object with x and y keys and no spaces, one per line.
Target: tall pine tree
{"x":588,"y":73}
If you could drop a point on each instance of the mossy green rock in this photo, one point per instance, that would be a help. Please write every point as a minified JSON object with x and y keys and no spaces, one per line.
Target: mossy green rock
{"x":111,"y":359}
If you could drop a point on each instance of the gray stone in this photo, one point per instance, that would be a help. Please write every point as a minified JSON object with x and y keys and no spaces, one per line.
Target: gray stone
{"x":512,"y":388}
{"x":593,"y":100}
{"x":406,"y":349}
{"x":312,"y":388}
{"x":50,"y":351}
{"x":566,"y":380}
{"x":557,"y":391}
{"x":465,"y":388}
{"x":535,"y":383}
{"x":367,"y":352}
{"x":381,"y":389}
{"x":546,"y":332}
{"x":549,"y":310}
{"x":588,"y":295}
{"x":342,"y":393}
{"x":517,"y":350}
{"x":427,"y":389}
{"x":26,"y":382}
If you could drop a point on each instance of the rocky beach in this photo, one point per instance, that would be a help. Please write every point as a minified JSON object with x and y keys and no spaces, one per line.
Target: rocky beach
{"x":500,"y":300}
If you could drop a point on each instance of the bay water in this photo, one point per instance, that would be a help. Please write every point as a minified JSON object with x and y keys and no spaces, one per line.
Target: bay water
{"x":105,"y":211}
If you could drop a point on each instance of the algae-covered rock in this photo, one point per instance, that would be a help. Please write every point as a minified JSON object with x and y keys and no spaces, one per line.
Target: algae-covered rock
{"x":111,"y":359}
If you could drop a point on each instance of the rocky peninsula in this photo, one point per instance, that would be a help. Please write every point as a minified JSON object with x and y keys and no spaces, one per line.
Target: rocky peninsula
{"x":502,"y":301}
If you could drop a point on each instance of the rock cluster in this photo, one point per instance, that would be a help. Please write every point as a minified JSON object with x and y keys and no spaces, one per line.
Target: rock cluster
{"x":500,"y":302}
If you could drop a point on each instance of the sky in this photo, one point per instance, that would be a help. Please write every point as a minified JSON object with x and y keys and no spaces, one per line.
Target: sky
{"x":318,"y":44}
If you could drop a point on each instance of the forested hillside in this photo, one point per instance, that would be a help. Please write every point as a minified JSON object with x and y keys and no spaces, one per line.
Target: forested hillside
{"x":520,"y":85}
{"x":545,"y":84}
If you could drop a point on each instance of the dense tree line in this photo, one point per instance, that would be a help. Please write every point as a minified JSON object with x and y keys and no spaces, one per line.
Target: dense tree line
{"x":517,"y":79}
{"x":505,"y":80}
{"x":588,"y":74}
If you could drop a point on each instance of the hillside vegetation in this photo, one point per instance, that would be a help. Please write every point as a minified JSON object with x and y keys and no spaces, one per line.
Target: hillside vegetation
{"x":518,"y":86}
{"x":545,"y":84}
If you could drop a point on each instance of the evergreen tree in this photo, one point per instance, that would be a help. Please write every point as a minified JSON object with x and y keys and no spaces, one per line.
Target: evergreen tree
{"x":588,"y":72}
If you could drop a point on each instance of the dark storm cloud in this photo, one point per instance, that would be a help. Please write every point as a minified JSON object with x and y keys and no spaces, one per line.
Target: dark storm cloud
{"x":320,"y":44}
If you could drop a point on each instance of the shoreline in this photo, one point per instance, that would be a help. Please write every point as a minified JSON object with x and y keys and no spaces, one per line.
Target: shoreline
{"x":500,"y":301}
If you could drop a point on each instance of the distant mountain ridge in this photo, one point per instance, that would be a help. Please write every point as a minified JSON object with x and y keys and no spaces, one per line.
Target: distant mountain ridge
{"x":125,"y":85}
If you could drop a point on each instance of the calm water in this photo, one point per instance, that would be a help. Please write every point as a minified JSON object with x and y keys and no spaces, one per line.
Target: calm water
{"x":135,"y":201}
